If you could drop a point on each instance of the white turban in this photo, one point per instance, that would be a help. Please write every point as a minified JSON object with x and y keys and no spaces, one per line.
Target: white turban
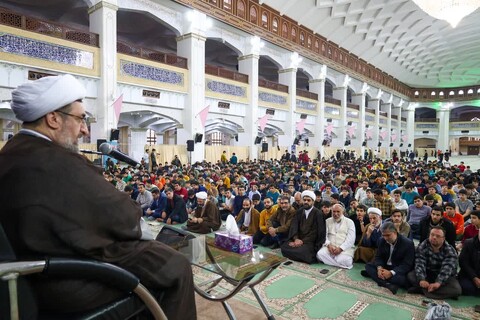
{"x":375,"y":211}
{"x":308,"y":193}
{"x":33,"y":100}
{"x":201,"y":195}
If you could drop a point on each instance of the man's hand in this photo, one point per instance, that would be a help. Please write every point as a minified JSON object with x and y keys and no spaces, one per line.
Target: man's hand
{"x":149,"y":212}
{"x":476,"y":282}
{"x":424,"y":284}
{"x":169,"y":221}
{"x":386,"y":274}
{"x":271,"y":231}
{"x":370,"y":230}
{"x":298,"y":243}
{"x":433,"y":286}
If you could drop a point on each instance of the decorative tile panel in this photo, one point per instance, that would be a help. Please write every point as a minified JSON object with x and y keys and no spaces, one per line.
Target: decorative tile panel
{"x":302,"y":104}
{"x":427,"y":126}
{"x":352,"y":114}
{"x":331,"y":110}
{"x":383,"y":121}
{"x":394,"y":123}
{"x":272,"y":98}
{"x":225,"y":88}
{"x":46,"y":51}
{"x":369,"y":118}
{"x":465,"y":125}
{"x":143,"y":71}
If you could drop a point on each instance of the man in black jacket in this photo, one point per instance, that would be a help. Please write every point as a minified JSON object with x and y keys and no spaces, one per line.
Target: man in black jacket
{"x":176,"y":210}
{"x":394,"y":258}
{"x":436,"y":219}
{"x":469,"y":276}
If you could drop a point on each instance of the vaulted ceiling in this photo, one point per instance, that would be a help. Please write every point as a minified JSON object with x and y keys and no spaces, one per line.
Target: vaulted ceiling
{"x":397,"y":37}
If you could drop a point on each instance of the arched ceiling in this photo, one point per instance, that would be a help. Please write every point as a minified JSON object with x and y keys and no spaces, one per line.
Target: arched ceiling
{"x":397,"y":37}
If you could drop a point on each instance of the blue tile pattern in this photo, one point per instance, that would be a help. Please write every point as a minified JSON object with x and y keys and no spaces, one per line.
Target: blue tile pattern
{"x":352,"y":114}
{"x":142,"y":71}
{"x":427,"y":125}
{"x":46,"y":51}
{"x":302,"y":104}
{"x":465,"y":125}
{"x":331,"y":110}
{"x":383,"y":121}
{"x":369,"y":118}
{"x":226,"y":88}
{"x":273,"y":98}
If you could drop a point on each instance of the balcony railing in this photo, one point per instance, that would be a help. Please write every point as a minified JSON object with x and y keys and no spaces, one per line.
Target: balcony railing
{"x":166,"y":58}
{"x":404,"y":119}
{"x":372,"y":111}
{"x":333,"y":101}
{"x":353,"y":106}
{"x":48,"y":28}
{"x":426,"y":120}
{"x":272,"y":85}
{"x":225,"y":73}
{"x":383,"y":113}
{"x":307,"y":94}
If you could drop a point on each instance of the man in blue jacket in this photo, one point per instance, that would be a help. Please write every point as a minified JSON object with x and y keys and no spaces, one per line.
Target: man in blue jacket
{"x":394,"y":258}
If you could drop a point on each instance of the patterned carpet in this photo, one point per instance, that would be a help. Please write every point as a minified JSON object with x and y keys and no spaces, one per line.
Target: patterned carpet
{"x":300,"y":291}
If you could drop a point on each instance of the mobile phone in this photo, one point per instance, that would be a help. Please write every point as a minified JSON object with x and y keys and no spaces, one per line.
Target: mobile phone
{"x":287,"y":263}
{"x":324,"y":271}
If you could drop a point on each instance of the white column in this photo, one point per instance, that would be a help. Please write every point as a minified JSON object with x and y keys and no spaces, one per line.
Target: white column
{"x":387,"y":107}
{"x":288,"y":77}
{"x":443,"y":128}
{"x":248,"y":65}
{"x":340,"y":93}
{"x":103,"y":21}
{"x":359,"y":99}
{"x":375,"y":104}
{"x":318,"y":86}
{"x":397,"y":110}
{"x":411,"y":127}
{"x":191,"y":45}
{"x":137,"y":139}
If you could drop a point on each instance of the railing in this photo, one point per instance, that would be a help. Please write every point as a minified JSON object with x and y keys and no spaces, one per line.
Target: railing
{"x":272,"y":85}
{"x":394,"y":116}
{"x":372,"y":111}
{"x":307,"y":94}
{"x":225,"y":73}
{"x":426,"y":120}
{"x":404,"y":119}
{"x":383,"y":113}
{"x":353,"y":106}
{"x":49,"y":28}
{"x":333,"y":101}
{"x":166,"y":58}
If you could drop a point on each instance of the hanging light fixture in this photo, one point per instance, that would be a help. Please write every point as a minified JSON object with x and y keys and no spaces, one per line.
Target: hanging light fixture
{"x":452,"y":11}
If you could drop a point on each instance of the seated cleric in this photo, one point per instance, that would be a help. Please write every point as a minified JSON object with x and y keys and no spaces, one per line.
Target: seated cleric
{"x":72,"y":211}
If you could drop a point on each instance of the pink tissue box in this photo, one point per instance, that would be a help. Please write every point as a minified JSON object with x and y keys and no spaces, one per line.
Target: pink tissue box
{"x":238,"y":244}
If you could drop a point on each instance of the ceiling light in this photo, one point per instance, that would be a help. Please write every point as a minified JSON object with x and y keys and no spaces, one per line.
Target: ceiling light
{"x":452,"y":11}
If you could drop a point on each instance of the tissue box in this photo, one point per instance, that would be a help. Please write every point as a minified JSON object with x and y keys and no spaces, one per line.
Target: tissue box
{"x":238,"y":244}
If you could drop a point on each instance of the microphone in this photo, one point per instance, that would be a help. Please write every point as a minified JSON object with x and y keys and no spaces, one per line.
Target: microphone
{"x":90,"y":151}
{"x":108,"y":150}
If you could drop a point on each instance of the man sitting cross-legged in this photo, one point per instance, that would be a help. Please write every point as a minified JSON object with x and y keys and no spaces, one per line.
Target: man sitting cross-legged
{"x":205,"y":216}
{"x":248,"y":218}
{"x":279,"y":223}
{"x":307,"y":232}
{"x":469,"y":276}
{"x":339,"y":245}
{"x":394,"y":259}
{"x":368,"y":243}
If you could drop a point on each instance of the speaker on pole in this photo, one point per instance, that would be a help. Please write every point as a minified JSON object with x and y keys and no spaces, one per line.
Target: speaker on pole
{"x":409,"y":145}
{"x":190,"y":145}
{"x":364,"y":143}
{"x":264,"y":147}
{"x":198,"y":137}
{"x":296,"y":141}
{"x":401,"y":145}
{"x":114,"y":134}
{"x":258,"y":140}
{"x":99,"y":142}
{"x":236,"y":137}
{"x":379,"y":144}
{"x":324,"y":142}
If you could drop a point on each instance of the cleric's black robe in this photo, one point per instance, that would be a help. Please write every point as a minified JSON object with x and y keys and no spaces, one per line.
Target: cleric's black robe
{"x":56,"y":203}
{"x":211,"y":219}
{"x":311,"y":231}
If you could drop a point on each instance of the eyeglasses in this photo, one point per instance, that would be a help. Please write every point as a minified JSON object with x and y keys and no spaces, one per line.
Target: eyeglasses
{"x":85,"y":119}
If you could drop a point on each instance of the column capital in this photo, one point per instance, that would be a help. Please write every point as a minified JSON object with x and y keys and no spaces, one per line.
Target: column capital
{"x":340,"y":88}
{"x":248,"y":56}
{"x":288,"y":70}
{"x":190,"y":36}
{"x":316,"y":80}
{"x":100,"y":5}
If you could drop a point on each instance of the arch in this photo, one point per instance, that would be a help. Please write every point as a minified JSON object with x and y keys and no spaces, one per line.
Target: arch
{"x":221,"y":53}
{"x":329,"y":85}
{"x":285,"y":30}
{"x":147,"y":119}
{"x":241,"y":12}
{"x":253,"y":14}
{"x":223,"y":125}
{"x":268,"y":68}
{"x":464,"y":113}
{"x":270,"y":130}
{"x":265,"y":20}
{"x":275,"y":25}
{"x":425,"y":113}
{"x":303,"y":78}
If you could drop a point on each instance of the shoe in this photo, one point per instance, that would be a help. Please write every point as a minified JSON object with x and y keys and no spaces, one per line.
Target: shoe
{"x":275,"y":246}
{"x":393,"y":288}
{"x":365,"y":274}
{"x":414,"y":290}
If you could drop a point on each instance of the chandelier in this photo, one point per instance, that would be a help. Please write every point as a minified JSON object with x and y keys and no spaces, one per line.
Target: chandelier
{"x":452,"y":11}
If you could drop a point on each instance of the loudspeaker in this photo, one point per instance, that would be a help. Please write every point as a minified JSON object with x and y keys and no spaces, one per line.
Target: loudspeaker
{"x":349,"y":123}
{"x":264,"y":147}
{"x":236,"y":137}
{"x":278,"y":148}
{"x":391,"y":144}
{"x":190,"y":145}
{"x":409,"y":145}
{"x":379,"y":144}
{"x":114,"y":134}
{"x":324,"y":142}
{"x":296,"y":141}
{"x":401,"y":145}
{"x":364,"y":143}
{"x":258,"y":140}
{"x":198,"y":137}
{"x":307,"y":141}
{"x":347,"y":142}
{"x":99,"y":142}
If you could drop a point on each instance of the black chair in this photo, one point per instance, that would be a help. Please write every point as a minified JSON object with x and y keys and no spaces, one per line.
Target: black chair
{"x":18,"y":299}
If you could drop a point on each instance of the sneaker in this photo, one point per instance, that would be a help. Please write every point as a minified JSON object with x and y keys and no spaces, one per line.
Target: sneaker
{"x":393,"y":288}
{"x":365,"y":274}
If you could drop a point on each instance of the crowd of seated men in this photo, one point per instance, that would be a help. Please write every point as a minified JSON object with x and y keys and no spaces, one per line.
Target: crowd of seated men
{"x":336,"y":211}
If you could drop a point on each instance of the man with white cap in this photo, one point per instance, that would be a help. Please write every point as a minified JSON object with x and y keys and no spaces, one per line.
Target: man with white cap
{"x":71,"y":210}
{"x":368,"y":244}
{"x":307,"y":232}
{"x":339,"y":245}
{"x":205,"y":217}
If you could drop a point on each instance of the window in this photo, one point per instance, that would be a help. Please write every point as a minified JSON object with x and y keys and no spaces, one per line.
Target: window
{"x":285,"y":30}
{"x":433,"y":94}
{"x":460,"y":92}
{"x":265,"y":20}
{"x":227,"y":5}
{"x":441,"y":94}
{"x":317,"y":46}
{"x":253,"y":15}
{"x":294,"y":34}
{"x":451,"y":93}
{"x":302,"y":38}
{"x":470,"y":91}
{"x":241,"y":9}
{"x":275,"y":25}
{"x":309,"y":42}
{"x":416,"y":93}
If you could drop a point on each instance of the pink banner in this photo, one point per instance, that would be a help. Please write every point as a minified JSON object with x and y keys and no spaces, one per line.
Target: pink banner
{"x":368,"y":133}
{"x":117,"y":107}
{"x":203,"y":115}
{"x":383,"y":135}
{"x":262,"y":122}
{"x":351,"y":131}
{"x":394,"y":137}
{"x":301,"y":126}
{"x":404,"y":138}
{"x":329,"y":128}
